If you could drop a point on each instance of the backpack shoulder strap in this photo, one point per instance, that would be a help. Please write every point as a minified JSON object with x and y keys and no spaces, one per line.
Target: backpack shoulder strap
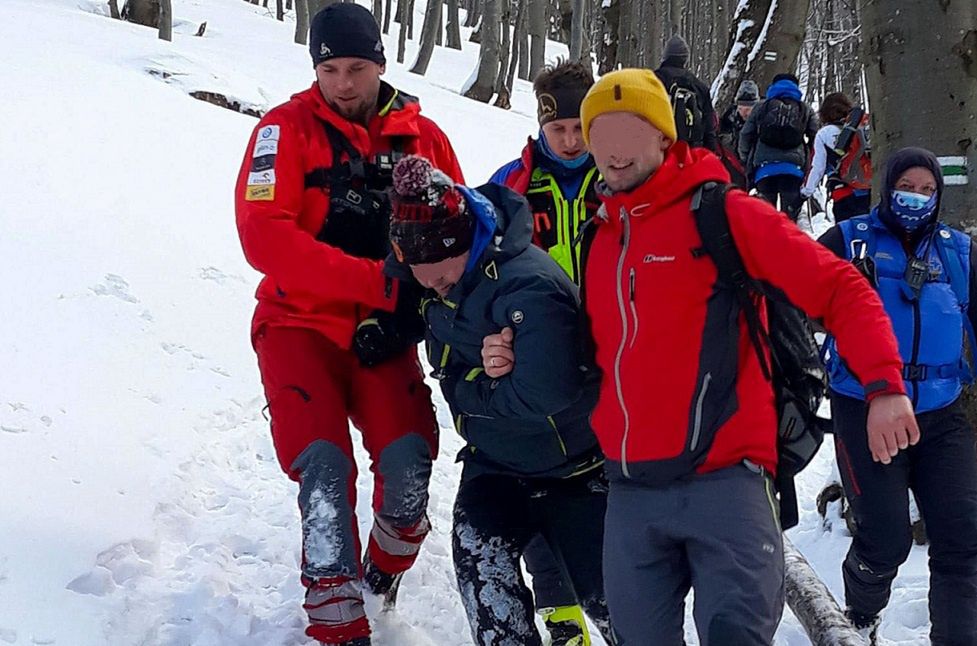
{"x":709,"y":210}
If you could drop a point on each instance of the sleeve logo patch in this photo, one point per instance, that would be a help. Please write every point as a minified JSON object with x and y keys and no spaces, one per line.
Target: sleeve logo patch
{"x":265,"y":147}
{"x":269,"y":133}
{"x":263,"y":178}
{"x":260,"y":193}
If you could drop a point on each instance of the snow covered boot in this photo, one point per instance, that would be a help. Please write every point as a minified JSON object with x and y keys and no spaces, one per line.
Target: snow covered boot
{"x":566,"y":626}
{"x":382,"y":583}
{"x":867,"y":627}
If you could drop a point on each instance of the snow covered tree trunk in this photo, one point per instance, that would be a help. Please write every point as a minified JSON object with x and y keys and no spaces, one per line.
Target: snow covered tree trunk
{"x":302,"y":22}
{"x":487,"y":72}
{"x":577,"y":15}
{"x":166,"y":20}
{"x":745,"y":36}
{"x":811,"y":602}
{"x":429,"y":33}
{"x":930,"y":69}
{"x":453,"y":38}
{"x":537,"y":36}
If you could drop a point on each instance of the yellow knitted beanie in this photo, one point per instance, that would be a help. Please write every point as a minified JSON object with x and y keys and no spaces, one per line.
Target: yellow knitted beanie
{"x":629,"y":90}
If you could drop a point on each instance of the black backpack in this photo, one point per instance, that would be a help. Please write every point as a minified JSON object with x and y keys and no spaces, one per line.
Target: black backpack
{"x":688,"y":115}
{"x":782,"y":124}
{"x":795,"y":369}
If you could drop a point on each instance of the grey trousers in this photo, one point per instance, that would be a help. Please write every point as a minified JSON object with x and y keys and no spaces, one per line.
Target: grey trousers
{"x":715,"y":533}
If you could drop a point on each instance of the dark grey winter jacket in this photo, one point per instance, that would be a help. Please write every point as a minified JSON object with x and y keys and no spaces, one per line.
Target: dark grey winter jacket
{"x":756,"y":153}
{"x":533,"y":422}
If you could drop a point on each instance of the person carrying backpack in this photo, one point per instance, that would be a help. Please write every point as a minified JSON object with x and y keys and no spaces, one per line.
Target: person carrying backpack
{"x":924,"y":272}
{"x":849,"y":168}
{"x":685,"y":414}
{"x":695,"y":118}
{"x":776,"y":141}
{"x":730,"y":125}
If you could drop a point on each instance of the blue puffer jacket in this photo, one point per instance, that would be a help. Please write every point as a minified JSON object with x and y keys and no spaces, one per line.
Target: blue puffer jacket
{"x":533,"y":422}
{"x":931,"y":327}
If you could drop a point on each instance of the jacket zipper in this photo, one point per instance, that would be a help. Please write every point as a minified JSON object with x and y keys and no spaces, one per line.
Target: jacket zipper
{"x":634,"y":309}
{"x":697,"y":424}
{"x":624,"y":340}
{"x":917,"y":324}
{"x":563,"y":446}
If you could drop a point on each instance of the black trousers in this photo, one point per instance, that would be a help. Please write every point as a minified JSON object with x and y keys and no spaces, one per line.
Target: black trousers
{"x":495,"y":518}
{"x":785,"y":189}
{"x":551,"y":586}
{"x":941,"y":470}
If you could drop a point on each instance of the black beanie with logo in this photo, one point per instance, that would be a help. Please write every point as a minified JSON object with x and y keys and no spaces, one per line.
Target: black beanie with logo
{"x":345,"y":29}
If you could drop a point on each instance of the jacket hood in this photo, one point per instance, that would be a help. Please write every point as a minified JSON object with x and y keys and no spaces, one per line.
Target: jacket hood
{"x":897,"y":164}
{"x":682,"y":172}
{"x":784,"y":89}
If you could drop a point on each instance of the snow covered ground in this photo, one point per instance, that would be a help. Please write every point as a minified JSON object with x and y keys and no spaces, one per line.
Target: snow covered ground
{"x":140,"y":502}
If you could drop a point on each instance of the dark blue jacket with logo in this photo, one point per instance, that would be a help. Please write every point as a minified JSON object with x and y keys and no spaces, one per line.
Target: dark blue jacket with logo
{"x":533,"y":422}
{"x":930,"y":326}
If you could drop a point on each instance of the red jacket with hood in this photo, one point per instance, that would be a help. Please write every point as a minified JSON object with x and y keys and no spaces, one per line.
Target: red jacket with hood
{"x":679,"y":371}
{"x":309,"y":283}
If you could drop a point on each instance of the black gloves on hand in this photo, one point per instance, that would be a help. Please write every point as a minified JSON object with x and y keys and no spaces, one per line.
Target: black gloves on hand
{"x":384,"y":335}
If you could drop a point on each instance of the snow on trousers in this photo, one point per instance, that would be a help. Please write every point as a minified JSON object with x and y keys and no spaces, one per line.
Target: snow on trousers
{"x":941,"y":470}
{"x":313,"y":388}
{"x":715,"y":532}
{"x":495,"y":518}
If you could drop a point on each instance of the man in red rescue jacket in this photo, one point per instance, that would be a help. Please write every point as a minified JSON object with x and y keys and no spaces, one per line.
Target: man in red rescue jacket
{"x":335,"y":339}
{"x":680,"y":374}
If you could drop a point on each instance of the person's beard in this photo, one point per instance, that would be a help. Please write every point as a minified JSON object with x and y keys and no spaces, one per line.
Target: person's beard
{"x":358,"y":113}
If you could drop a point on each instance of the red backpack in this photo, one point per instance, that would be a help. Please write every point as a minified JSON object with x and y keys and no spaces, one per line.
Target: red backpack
{"x":853,"y":165}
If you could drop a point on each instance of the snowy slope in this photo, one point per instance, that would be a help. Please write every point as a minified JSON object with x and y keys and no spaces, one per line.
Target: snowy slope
{"x":140,"y":502}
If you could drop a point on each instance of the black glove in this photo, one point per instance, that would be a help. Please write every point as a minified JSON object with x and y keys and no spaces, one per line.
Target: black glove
{"x":384,"y":335}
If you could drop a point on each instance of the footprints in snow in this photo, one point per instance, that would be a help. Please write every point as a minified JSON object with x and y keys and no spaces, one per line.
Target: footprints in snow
{"x":20,"y":419}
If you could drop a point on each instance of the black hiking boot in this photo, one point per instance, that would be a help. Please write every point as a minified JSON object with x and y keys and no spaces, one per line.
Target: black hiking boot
{"x":382,"y":583}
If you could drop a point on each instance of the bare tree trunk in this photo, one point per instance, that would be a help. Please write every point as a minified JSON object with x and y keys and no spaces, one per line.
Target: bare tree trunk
{"x":473,"y":13}
{"x":503,"y":100}
{"x":410,"y":20}
{"x":453,"y":38}
{"x":288,"y":5}
{"x":675,"y":17}
{"x":488,"y":55}
{"x":784,"y":37}
{"x":114,"y":9}
{"x":524,"y":48}
{"x":439,"y":41}
{"x":166,"y":20}
{"x":609,"y":42}
{"x":387,"y":12}
{"x":403,"y":7}
{"x":378,"y":11}
{"x":429,"y":32}
{"x":518,"y":31}
{"x":142,"y":12}
{"x":280,"y":10}
{"x":930,"y":69}
{"x":302,"y":22}
{"x":579,"y":10}
{"x":264,"y":4}
{"x":537,"y":36}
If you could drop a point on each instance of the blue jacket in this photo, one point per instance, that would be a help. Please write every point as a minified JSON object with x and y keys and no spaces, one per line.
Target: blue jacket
{"x":930,"y":327}
{"x":533,"y":422}
{"x":765,"y":161}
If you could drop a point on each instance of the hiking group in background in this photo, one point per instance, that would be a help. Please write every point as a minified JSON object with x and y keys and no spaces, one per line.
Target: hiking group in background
{"x":622,"y":237}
